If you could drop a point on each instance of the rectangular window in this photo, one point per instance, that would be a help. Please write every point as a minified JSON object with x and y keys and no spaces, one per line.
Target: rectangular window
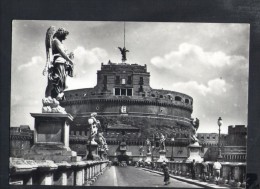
{"x":141,"y":88}
{"x":117,"y":79}
{"x":117,"y":91}
{"x":129,"y":92}
{"x":105,"y":79}
{"x":123,"y":81}
{"x":129,"y":80}
{"x":141,"y":80}
{"x":123,"y":92}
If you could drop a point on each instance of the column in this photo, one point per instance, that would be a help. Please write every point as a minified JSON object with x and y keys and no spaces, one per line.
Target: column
{"x":79,"y":176}
{"x":46,"y":178}
{"x":28,"y":180}
{"x":70,"y":177}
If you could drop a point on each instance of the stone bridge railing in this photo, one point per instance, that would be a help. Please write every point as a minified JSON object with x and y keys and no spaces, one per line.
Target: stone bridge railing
{"x":232,"y":174}
{"x":46,"y":172}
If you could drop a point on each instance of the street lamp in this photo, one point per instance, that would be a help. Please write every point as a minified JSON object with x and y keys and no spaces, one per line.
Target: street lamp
{"x":172,"y":140}
{"x":220,"y":122}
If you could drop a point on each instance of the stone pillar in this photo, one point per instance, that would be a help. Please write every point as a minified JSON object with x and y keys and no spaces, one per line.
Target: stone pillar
{"x":70,"y":177}
{"x":51,"y":138}
{"x":60,"y":175}
{"x":86,"y":171}
{"x":46,"y":169}
{"x":226,"y":170}
{"x":162,"y":156}
{"x":79,"y":176}
{"x":46,"y":178}
{"x":194,"y":153}
{"x":184,"y":169}
{"x":28,"y":180}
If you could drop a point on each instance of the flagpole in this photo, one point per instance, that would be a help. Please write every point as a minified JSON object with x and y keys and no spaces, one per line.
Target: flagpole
{"x":124,"y":34}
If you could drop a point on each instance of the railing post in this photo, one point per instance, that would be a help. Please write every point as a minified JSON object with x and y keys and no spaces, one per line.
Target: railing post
{"x":60,"y":175}
{"x":79,"y":172}
{"x":46,"y":169}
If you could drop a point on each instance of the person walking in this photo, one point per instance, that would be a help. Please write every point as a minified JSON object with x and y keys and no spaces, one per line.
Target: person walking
{"x":166,"y":173}
{"x":216,"y":167}
{"x":193,"y":168}
{"x":205,"y":168}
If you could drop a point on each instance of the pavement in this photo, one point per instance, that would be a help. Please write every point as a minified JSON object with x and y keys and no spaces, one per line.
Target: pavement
{"x":138,"y":177}
{"x":188,"y":180}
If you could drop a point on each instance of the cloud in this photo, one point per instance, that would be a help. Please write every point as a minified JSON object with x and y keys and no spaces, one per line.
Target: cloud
{"x":35,"y":60}
{"x":215,"y":87}
{"x":189,"y":54}
{"x":92,"y":56}
{"x":87,"y":62}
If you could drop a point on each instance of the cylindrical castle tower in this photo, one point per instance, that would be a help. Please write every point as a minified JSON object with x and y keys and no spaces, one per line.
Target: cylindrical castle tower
{"x":123,"y":96}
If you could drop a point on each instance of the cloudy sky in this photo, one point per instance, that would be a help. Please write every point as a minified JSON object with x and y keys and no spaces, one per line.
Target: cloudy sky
{"x":206,"y":61}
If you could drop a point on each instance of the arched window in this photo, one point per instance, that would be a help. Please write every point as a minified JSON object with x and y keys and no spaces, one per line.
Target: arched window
{"x":153,"y":95}
{"x":161,"y":96}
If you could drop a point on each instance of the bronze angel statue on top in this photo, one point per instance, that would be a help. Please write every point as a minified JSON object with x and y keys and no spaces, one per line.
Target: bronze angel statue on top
{"x":59,"y":64}
{"x":123,"y":53}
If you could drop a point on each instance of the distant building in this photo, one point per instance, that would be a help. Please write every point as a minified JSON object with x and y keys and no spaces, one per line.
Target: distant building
{"x":21,"y":139}
{"x":233,"y":144}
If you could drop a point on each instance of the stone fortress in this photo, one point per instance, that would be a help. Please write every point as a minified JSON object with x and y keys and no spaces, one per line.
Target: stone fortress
{"x":129,"y":108}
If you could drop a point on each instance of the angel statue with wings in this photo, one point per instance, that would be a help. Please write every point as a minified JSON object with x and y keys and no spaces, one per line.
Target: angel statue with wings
{"x":162,"y":142}
{"x":59,"y":63}
{"x":123,"y":52}
{"x":195,"y":125}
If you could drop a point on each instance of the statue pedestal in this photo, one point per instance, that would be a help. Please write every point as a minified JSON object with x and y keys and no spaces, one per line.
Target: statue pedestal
{"x":101,"y":152}
{"x":92,"y":153}
{"x":162,"y":157}
{"x":148,"y":158}
{"x":51,"y":137}
{"x":194,"y":153}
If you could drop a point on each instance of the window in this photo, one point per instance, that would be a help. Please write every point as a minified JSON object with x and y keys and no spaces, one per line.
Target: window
{"x":123,"y":81}
{"x":105,"y":79}
{"x":123,"y":92}
{"x":187,"y":101}
{"x":153,"y":95}
{"x":141,"y":88}
{"x":129,"y":80}
{"x":161,"y":96}
{"x":129,"y":92}
{"x":141,"y":81}
{"x":117,"y":91}
{"x":177,"y":98}
{"x":117,"y":79}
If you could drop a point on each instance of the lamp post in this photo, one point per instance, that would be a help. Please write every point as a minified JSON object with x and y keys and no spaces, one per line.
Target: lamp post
{"x":220,"y":122}
{"x":172,"y":141}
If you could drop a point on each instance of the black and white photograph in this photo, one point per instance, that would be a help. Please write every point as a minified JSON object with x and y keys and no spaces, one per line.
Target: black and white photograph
{"x":129,"y":104}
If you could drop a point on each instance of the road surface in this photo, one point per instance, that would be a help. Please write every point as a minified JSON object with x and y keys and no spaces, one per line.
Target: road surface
{"x":133,"y":176}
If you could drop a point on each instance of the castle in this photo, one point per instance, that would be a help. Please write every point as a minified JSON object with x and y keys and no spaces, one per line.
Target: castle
{"x":129,"y":109}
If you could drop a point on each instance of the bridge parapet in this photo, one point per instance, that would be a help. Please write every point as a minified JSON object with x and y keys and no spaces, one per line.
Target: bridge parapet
{"x":232,"y":174}
{"x":47,"y":172}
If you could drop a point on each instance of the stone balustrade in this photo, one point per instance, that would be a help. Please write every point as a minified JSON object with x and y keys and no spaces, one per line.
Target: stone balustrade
{"x":46,"y":172}
{"x":232,"y":173}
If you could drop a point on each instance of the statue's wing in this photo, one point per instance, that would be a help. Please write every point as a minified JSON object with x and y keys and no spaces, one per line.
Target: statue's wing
{"x":120,"y":49}
{"x":48,"y":40}
{"x":127,"y":51}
